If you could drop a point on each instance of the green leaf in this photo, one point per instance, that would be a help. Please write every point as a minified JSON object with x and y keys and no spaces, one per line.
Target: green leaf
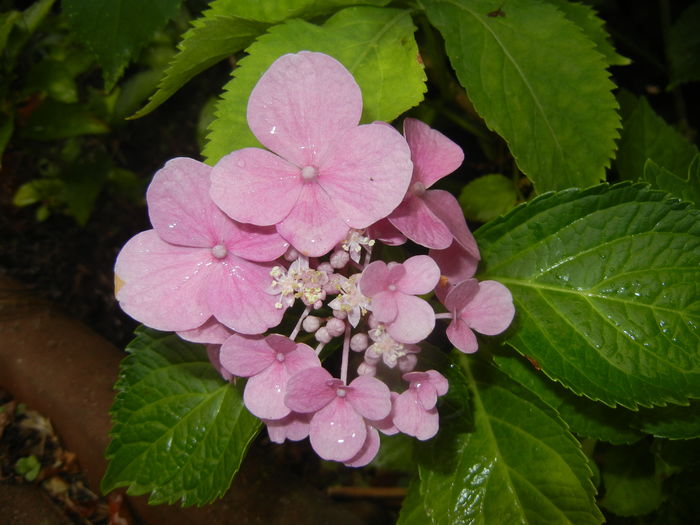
{"x":584,"y":417}
{"x":279,"y":10}
{"x":487,"y":197}
{"x":7,"y":22}
{"x":678,"y":454}
{"x":375,"y":44}
{"x":633,"y":486}
{"x":211,"y":39}
{"x":588,"y":20}
{"x":55,"y":120}
{"x":606,"y":285}
{"x":29,"y":467}
{"x":179,"y":431}
{"x":687,"y":188}
{"x":116,"y":30}
{"x":519,"y":465}
{"x":412,"y":508}
{"x":683,"y":47}
{"x":7,"y":126}
{"x":516,"y":64}
{"x":672,"y":422}
{"x":645,"y":135}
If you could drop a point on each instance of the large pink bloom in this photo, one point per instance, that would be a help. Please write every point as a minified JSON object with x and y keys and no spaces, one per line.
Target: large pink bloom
{"x":432,"y":218}
{"x":485,"y":307}
{"x":393,"y":288}
{"x":325,"y":174}
{"x":196,"y":262}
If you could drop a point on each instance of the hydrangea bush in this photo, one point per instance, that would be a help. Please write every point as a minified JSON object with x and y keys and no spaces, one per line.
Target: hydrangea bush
{"x":316,"y":276}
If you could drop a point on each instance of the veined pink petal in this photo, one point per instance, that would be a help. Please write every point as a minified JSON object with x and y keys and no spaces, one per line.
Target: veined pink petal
{"x":308,"y":391}
{"x":180,"y":207}
{"x":456,"y":265}
{"x":313,"y":226}
{"x":302,"y":102}
{"x":246,"y":356}
{"x":293,"y":427}
{"x":368,"y":451}
{"x":280,"y":343}
{"x":416,"y":221}
{"x":445,"y":206}
{"x":237,"y":295}
{"x":370,"y":397}
{"x":414,"y":321}
{"x":300,"y":359}
{"x":410,"y":417}
{"x":462,"y":336}
{"x":386,"y":232}
{"x":256,"y":243}
{"x":422,"y":275}
{"x":264,"y":392}
{"x":434,"y":155}
{"x":366,"y":172}
{"x":491,"y":310}
{"x":211,"y":332}
{"x":337,"y":431}
{"x":255,"y":186}
{"x":439,"y":382}
{"x":426,"y":393}
{"x":384,"y":307}
{"x":374,"y":278}
{"x":461,"y":295}
{"x":164,"y":285}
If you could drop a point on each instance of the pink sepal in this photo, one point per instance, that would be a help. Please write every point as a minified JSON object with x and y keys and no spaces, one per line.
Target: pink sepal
{"x":368,"y":451}
{"x":293,"y":427}
{"x":337,"y":431}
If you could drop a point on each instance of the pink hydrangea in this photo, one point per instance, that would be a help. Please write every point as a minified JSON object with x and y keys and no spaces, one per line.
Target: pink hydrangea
{"x":268,"y":363}
{"x":324,"y":174}
{"x":414,"y":411}
{"x":338,"y":430}
{"x":393,"y":288}
{"x":196,"y":263}
{"x":485,"y":307}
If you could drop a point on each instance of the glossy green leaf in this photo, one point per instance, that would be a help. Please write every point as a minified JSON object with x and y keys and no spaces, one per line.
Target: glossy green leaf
{"x":279,"y":10}
{"x":375,"y":44}
{"x":687,"y":188}
{"x":179,"y":431}
{"x":683,"y":47}
{"x":412,"y":508}
{"x":487,"y":197}
{"x":519,"y":465}
{"x":211,"y":39}
{"x":116,"y":30}
{"x":672,"y":422}
{"x":606,"y":284}
{"x":645,"y":135}
{"x":584,"y":417}
{"x":516,"y":63}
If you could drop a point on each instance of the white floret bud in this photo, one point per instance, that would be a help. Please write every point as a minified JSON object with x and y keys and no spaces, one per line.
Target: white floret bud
{"x":340,"y":314}
{"x":335,"y":327}
{"x":311,"y":324}
{"x":322,"y":335}
{"x":325,"y":268}
{"x":407,"y":363}
{"x":318,"y":304}
{"x":291,"y":254}
{"x":339,"y":259}
{"x":359,"y":342}
{"x":365,"y":369}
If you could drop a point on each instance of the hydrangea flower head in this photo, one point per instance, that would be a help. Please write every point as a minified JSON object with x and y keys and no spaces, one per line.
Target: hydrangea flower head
{"x":324,"y":173}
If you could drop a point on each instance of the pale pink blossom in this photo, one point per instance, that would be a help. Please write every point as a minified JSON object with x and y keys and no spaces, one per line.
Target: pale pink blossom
{"x":485,"y":307}
{"x":414,"y":411}
{"x":338,"y":428}
{"x":393,"y":288}
{"x":196,"y":263}
{"x":268,"y":363}
{"x":324,"y":174}
{"x":456,"y":265}
{"x":293,"y":426}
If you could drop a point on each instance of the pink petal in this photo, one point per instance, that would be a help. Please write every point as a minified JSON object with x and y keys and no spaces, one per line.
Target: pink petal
{"x":445,"y":206}
{"x":255,"y":186}
{"x":213,"y":355}
{"x":301,"y":103}
{"x":462,"y":336}
{"x":238,"y":298}
{"x":313,"y":226}
{"x":179,"y":205}
{"x":293,"y":427}
{"x":414,"y":321}
{"x":368,"y":451}
{"x":433,"y":154}
{"x":410,"y":417}
{"x":491,"y":310}
{"x":211,"y":332}
{"x":264,"y":393}
{"x":374,"y":278}
{"x":384,"y":307}
{"x":308,"y":391}
{"x":280,"y":343}
{"x":164,"y":285}
{"x":386,"y":425}
{"x":417,"y":221}
{"x":370,"y":397}
{"x":246,"y":356}
{"x":386,"y":232}
{"x":337,"y":432}
{"x":366,"y":173}
{"x":422,"y":275}
{"x":461,"y":295}
{"x":300,"y":359}
{"x":257,"y":243}
{"x":456,"y":265}
{"x":426,"y":393}
{"x":439,"y":382}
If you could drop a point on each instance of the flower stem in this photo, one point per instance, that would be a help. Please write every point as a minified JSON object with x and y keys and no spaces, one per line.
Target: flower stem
{"x":444,"y":315}
{"x":303,"y":316}
{"x":346,"y":355}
